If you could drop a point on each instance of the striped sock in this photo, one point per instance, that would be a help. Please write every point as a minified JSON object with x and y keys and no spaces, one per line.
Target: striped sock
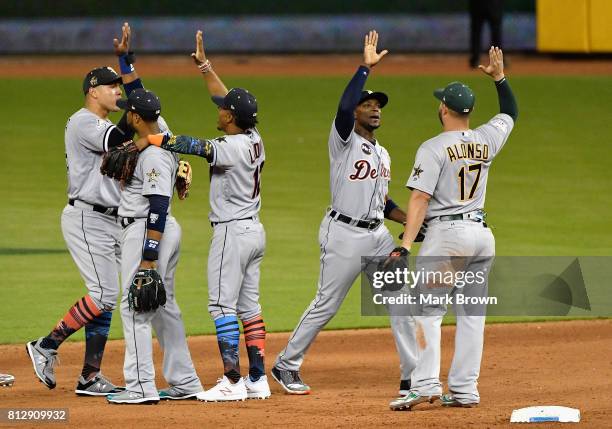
{"x":228,"y":336}
{"x":254,"y":331}
{"x":80,"y":314}
{"x":96,"y":334}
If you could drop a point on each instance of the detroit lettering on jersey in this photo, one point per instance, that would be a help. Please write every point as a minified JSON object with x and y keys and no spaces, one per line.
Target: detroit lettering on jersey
{"x":235,"y":176}
{"x":360,"y":172}
{"x":453,"y":167}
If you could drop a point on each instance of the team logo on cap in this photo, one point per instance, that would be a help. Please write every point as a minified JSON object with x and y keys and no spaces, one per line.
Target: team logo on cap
{"x":93,"y":81}
{"x":111,"y":69}
{"x":366,"y":149}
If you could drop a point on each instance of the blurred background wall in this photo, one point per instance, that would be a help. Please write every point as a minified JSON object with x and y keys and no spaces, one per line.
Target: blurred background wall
{"x":253,"y":26}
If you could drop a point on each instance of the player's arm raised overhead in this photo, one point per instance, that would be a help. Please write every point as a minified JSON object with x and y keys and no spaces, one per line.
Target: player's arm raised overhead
{"x":345,"y":116}
{"x":213,"y":82}
{"x":495,"y":69}
{"x":129,"y":77}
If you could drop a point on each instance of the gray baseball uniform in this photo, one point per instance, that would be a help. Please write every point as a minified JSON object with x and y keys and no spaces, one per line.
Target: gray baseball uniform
{"x":155,"y":174}
{"x":359,"y":176}
{"x":239,"y":239}
{"x":453,"y":168}
{"x":92,"y":237}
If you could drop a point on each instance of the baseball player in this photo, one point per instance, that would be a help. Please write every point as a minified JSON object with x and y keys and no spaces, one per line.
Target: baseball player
{"x":448,"y":183}
{"x":353,"y":226}
{"x":150,"y":240}
{"x":91,"y":229}
{"x":237,"y":248}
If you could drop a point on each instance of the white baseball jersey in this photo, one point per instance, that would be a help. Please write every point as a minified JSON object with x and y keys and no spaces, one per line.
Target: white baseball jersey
{"x":360,"y":172}
{"x":453,"y":167}
{"x":86,"y":138}
{"x":235,"y":176}
{"x":155,"y":174}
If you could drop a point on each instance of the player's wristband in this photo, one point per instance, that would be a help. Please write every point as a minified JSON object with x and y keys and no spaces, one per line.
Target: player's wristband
{"x":205,"y":67}
{"x":126,"y":63}
{"x":150,"y":251}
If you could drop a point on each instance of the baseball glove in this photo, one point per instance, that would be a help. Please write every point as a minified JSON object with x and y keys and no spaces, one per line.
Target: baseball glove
{"x":183,"y":179}
{"x":146,"y":292}
{"x":397,"y":260}
{"x":420,"y":235}
{"x":119,"y":163}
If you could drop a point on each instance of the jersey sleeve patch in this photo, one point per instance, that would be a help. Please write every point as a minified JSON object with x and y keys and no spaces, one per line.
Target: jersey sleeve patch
{"x":500,"y":125}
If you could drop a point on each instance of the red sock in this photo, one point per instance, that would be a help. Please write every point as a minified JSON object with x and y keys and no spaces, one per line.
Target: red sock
{"x":254,"y":331}
{"x":79,"y":315}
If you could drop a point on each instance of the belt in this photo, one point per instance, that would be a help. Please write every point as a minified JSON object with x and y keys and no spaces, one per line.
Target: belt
{"x":474,"y":216}
{"x":366,"y":224}
{"x":111,"y":211}
{"x":213,"y":224}
{"x":127,"y":221}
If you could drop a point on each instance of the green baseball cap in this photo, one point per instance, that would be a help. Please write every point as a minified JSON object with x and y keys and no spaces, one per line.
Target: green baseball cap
{"x":457,"y":96}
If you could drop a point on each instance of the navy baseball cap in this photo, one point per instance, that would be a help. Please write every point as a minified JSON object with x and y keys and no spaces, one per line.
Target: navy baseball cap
{"x":100,"y":76}
{"x":143,"y":102}
{"x":380,"y":96}
{"x":457,"y":96}
{"x":240,"y":101}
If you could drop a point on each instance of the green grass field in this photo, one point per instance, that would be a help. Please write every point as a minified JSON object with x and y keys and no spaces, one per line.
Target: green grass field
{"x":548,"y":191}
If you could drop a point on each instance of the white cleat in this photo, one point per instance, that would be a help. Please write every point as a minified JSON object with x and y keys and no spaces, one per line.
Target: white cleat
{"x":224,"y":391}
{"x":259,"y":389}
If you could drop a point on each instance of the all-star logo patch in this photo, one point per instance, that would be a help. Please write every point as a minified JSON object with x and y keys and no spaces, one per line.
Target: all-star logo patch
{"x":416,"y":174}
{"x":152,"y":175}
{"x":366,"y":149}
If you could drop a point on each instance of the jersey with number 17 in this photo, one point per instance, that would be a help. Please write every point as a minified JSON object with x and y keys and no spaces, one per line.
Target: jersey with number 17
{"x":235,"y":176}
{"x":453,"y":167}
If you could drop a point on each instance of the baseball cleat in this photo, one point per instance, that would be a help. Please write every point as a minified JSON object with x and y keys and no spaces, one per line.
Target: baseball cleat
{"x":6,"y":380}
{"x":259,"y":389}
{"x":43,"y":361}
{"x":290,"y":381}
{"x":224,"y":391}
{"x":97,"y":386}
{"x":410,"y":400}
{"x":404,"y":388}
{"x":133,"y":398}
{"x":175,"y":394}
{"x":449,"y":400}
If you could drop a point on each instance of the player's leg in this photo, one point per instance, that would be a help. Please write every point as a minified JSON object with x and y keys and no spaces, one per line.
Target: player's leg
{"x":224,"y":279}
{"x":249,"y":309}
{"x":469,"y":337}
{"x":178,"y":367}
{"x":341,"y":249}
{"x":425,"y":379}
{"x":403,"y":326}
{"x":92,"y":248}
{"x":138,"y":369}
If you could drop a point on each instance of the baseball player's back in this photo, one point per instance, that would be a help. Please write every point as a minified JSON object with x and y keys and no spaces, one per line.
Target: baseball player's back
{"x":235,"y":180}
{"x":453,"y":167}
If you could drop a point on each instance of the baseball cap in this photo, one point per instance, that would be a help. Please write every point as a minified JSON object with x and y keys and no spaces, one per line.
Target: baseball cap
{"x":240,"y":101}
{"x":380,"y":96}
{"x":457,"y":96}
{"x":143,"y":102}
{"x":100,"y":76}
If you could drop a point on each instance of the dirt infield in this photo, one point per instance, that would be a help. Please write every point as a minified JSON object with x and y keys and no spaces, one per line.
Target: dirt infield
{"x":354,"y":374}
{"x":298,"y":65}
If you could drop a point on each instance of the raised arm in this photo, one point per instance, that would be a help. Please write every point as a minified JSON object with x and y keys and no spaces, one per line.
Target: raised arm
{"x":495,"y":69}
{"x":129,"y":76}
{"x":345,"y":118}
{"x":213,"y":82}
